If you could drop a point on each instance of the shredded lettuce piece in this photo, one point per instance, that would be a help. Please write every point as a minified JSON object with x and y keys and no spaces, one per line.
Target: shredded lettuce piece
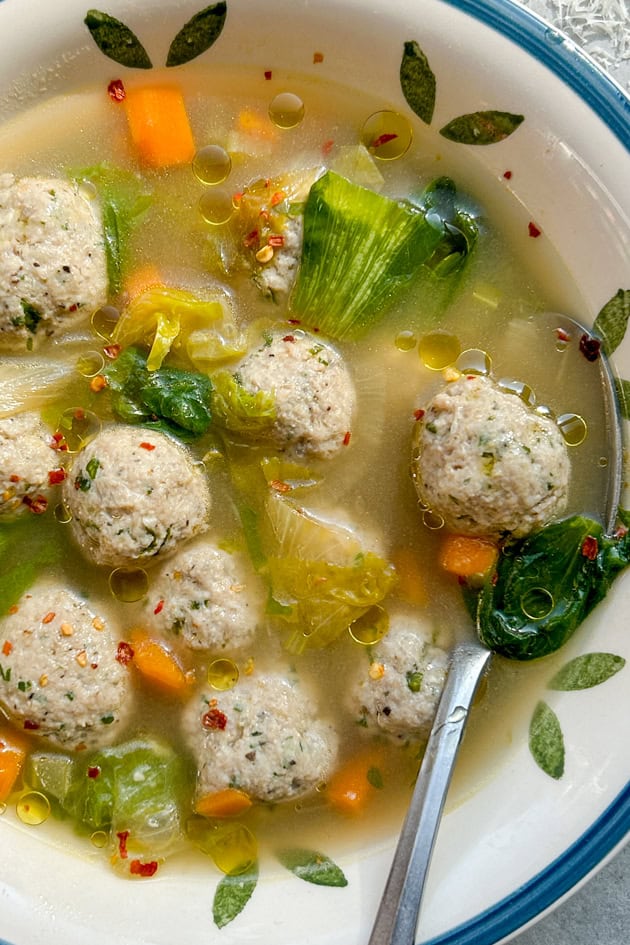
{"x":168,"y":398}
{"x":239,"y":411}
{"x":203,"y":330}
{"x":31,"y":383}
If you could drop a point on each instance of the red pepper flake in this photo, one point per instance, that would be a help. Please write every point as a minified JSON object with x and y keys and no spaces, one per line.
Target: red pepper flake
{"x":143,"y":869}
{"x":418,"y":414}
{"x":237,"y":197}
{"x":59,"y":442}
{"x":562,"y":335}
{"x":383,"y":139}
{"x":123,"y":836}
{"x":147,"y":446}
{"x":98,"y":383}
{"x":590,"y":547}
{"x":318,"y":57}
{"x":30,"y":725}
{"x":79,"y":413}
{"x":73,"y":308}
{"x":251,"y":239}
{"x":50,"y":616}
{"x":214,"y":719}
{"x":279,"y":486}
{"x":93,"y":665}
{"x":55,"y":476}
{"x":116,"y":90}
{"x":327,"y":146}
{"x":264,"y":216}
{"x":533,"y":230}
{"x":159,"y":607}
{"x":590,"y":347}
{"x":7,"y":647}
{"x":112,"y":351}
{"x":290,"y":338}
{"x":124,"y":653}
{"x":38,"y":505}
{"x":277,"y":198}
{"x":93,"y":771}
{"x":507,"y":175}
{"x":346,"y":438}
{"x":267,"y":74}
{"x":294,"y":321}
{"x":13,"y":609}
{"x":14,"y":478}
{"x":276,"y":239}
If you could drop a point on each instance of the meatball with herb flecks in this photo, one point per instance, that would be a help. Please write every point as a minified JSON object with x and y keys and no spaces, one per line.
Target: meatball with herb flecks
{"x":29,"y":465}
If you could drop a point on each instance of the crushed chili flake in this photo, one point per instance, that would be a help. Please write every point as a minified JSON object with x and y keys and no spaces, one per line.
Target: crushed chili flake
{"x":14,"y":478}
{"x":7,"y":647}
{"x":327,"y":146}
{"x":73,"y":308}
{"x":383,"y":139}
{"x":30,"y":725}
{"x":276,"y":239}
{"x":590,"y":347}
{"x":55,"y":476}
{"x":112,"y":351}
{"x":49,"y":617}
{"x":533,"y":230}
{"x":346,"y":438}
{"x":123,"y":836}
{"x":562,"y":335}
{"x":294,"y":321}
{"x":147,"y":446}
{"x":79,"y":413}
{"x":318,"y":57}
{"x":214,"y":719}
{"x":159,"y":607}
{"x":418,"y":414}
{"x":116,"y":90}
{"x":277,"y":198}
{"x":268,"y":74}
{"x":237,"y":197}
{"x":13,"y":609}
{"x":290,"y":338}
{"x":98,"y":383}
{"x":590,"y":547}
{"x":251,"y":239}
{"x":507,"y":175}
{"x":124,"y":653}
{"x":143,"y":869}
{"x":279,"y":486}
{"x":59,"y":441}
{"x":37,"y":506}
{"x":93,"y":771}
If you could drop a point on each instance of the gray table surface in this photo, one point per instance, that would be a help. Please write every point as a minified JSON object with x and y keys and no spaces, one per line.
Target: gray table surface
{"x":599,"y":911}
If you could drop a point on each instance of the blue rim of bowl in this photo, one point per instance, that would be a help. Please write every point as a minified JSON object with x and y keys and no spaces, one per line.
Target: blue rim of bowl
{"x":610,"y":103}
{"x":612,"y":106}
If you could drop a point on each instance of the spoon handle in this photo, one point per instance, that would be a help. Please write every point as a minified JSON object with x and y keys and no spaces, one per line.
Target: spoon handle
{"x":397,"y":917}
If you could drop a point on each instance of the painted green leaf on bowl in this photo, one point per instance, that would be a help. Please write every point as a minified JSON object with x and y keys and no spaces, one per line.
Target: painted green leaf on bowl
{"x":622,"y":388}
{"x":231,"y":896}
{"x":546,"y":741}
{"x":313,"y":867}
{"x":586,"y":671}
{"x":417,"y":81}
{"x":486,"y":127}
{"x":116,"y":40}
{"x":197,"y":35}
{"x":612,"y":322}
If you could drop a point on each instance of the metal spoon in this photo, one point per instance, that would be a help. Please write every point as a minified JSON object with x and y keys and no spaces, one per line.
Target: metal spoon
{"x":397,"y":918}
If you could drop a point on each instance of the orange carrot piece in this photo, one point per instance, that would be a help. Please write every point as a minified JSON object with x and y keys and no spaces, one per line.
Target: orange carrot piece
{"x":145,"y":277}
{"x":411,"y":585}
{"x":350,"y":789}
{"x":466,"y":555}
{"x":12,"y":756}
{"x":159,"y":126}
{"x":225,"y":803}
{"x":157,"y":664}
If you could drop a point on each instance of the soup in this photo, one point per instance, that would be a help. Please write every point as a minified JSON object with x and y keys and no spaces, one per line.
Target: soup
{"x":271,"y":560}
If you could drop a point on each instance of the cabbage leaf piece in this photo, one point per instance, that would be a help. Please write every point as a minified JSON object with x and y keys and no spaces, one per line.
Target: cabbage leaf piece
{"x":238,"y":410}
{"x":170,"y":399}
{"x":360,"y":250}
{"x":545,"y":585}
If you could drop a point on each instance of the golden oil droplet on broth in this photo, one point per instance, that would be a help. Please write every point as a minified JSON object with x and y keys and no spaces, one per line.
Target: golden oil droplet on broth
{"x":233,"y":848}
{"x":405,"y":340}
{"x":77,"y":427}
{"x":212,"y":164}
{"x":432,"y":520}
{"x":222,"y":674}
{"x":474,"y":361}
{"x":128,"y":584}
{"x":216,"y":207}
{"x":537,"y":603}
{"x":521,"y":390}
{"x":62,"y":514}
{"x":370,"y":627}
{"x":286,"y":110}
{"x":386,"y":135}
{"x":104,"y":320}
{"x":90,"y":364}
{"x":99,"y":839}
{"x":33,"y":808}
{"x":438,"y":350}
{"x":573,"y":428}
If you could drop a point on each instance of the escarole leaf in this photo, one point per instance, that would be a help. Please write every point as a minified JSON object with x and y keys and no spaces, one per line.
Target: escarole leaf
{"x":124,"y":198}
{"x":231,"y":896}
{"x":486,"y":127}
{"x":197,"y":35}
{"x":116,"y":40}
{"x":239,"y":411}
{"x":545,"y":585}
{"x":417,"y":81}
{"x":612,"y":321}
{"x":583,"y":672}
{"x":169,"y":398}
{"x":546,"y":741}
{"x":459,"y":228}
{"x":312,"y":867}
{"x":359,"y":250}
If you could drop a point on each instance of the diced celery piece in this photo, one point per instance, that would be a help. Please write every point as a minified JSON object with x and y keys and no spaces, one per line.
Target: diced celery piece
{"x":51,"y":773}
{"x":360,"y":249}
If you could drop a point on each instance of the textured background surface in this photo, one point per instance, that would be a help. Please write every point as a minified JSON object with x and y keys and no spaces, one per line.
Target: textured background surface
{"x":599,"y":912}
